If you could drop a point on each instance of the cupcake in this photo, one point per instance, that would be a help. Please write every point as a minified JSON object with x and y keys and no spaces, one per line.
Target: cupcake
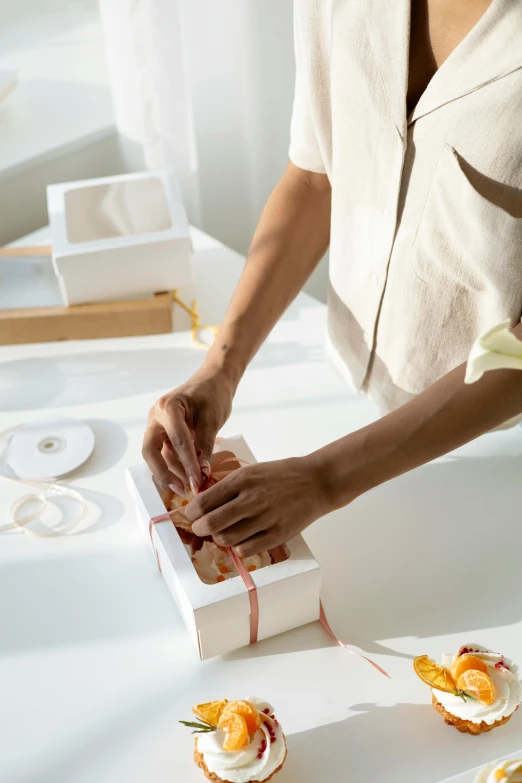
{"x":474,"y":690}
{"x":508,"y":771}
{"x":238,"y":741}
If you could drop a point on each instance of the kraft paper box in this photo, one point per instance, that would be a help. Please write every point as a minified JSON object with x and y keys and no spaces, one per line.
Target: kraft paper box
{"x":217,"y":616}
{"x":119,"y":237}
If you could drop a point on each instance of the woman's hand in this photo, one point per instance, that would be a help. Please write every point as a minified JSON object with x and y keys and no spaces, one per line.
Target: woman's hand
{"x":260,"y":506}
{"x":182,"y":428}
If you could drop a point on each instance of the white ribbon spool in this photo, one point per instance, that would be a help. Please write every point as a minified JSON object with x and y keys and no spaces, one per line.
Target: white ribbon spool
{"x":20,"y":521}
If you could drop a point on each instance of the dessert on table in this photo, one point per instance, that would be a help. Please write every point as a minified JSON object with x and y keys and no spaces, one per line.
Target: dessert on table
{"x":475,"y":690}
{"x":508,"y":771}
{"x":212,"y":562}
{"x":238,"y":741}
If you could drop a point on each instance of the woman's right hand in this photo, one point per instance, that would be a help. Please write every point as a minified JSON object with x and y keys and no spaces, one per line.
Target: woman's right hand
{"x":182,"y":429}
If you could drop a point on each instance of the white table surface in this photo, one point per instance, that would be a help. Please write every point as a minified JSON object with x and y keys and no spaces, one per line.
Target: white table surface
{"x":96,"y":668}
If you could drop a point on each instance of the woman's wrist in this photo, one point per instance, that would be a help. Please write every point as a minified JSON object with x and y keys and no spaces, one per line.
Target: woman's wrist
{"x":224,"y":368}
{"x":330,"y":491}
{"x":339,"y":473}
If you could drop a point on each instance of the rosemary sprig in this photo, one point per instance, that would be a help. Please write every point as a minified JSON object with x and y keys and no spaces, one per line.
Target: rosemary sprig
{"x":463,"y":695}
{"x":199,"y":727}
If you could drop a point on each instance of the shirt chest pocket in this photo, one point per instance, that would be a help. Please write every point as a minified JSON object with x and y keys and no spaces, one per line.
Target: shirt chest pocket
{"x":466,"y":240}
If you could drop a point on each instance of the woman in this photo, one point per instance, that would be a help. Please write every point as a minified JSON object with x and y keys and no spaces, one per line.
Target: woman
{"x":405,"y":159}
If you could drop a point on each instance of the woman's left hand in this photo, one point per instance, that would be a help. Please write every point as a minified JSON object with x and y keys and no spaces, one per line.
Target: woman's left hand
{"x":259,"y":507}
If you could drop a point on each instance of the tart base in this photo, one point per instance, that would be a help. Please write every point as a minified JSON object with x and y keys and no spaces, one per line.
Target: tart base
{"x":466,"y":726}
{"x":200,"y":761}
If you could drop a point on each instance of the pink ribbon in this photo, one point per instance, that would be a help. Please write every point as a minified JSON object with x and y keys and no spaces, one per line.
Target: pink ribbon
{"x":249,"y":582}
{"x":252,"y":594}
{"x":326,"y":625}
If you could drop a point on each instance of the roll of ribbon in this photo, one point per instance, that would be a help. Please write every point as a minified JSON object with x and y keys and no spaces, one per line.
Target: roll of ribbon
{"x":18,"y":520}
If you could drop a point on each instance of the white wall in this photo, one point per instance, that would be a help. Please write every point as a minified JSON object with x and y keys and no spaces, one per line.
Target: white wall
{"x":240,"y":64}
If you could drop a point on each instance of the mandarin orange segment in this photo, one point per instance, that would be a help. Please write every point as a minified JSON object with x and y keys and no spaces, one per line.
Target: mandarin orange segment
{"x":433,"y":675}
{"x":246,"y":710}
{"x":236,"y":732}
{"x":478,"y":684}
{"x":465,"y":662}
{"x":210,"y":712}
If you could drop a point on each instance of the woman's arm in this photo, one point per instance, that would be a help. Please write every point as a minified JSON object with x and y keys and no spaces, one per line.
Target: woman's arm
{"x":292,"y":236}
{"x":260,"y":507}
{"x":445,"y":416}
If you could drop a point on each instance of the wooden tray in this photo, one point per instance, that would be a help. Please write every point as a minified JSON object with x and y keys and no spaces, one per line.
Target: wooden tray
{"x":83,"y":322}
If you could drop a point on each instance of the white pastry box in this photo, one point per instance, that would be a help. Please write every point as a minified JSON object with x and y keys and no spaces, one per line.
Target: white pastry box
{"x":119,"y":237}
{"x":217,"y":616}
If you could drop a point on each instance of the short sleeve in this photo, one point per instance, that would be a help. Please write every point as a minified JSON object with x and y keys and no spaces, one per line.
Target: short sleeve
{"x":304,"y":149}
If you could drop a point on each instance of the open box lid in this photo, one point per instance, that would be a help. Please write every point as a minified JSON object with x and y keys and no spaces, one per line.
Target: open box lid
{"x":120,"y":203}
{"x":210,"y":603}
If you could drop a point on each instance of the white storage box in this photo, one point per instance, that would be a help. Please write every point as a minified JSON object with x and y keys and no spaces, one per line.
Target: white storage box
{"x":119,"y":237}
{"x":217,"y":616}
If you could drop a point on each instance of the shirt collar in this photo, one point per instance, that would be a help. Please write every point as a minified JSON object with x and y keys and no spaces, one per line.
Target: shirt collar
{"x":492,"y":49}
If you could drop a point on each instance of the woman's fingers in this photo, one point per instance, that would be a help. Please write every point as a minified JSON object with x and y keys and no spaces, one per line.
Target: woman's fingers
{"x":173,"y":464}
{"x":152,"y":454}
{"x":238,"y":532}
{"x":182,"y":444}
{"x":217,"y":520}
{"x":259,"y":542}
{"x":212,"y":499}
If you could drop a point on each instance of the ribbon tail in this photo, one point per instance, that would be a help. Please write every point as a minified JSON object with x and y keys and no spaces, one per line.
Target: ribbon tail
{"x":326,"y":625}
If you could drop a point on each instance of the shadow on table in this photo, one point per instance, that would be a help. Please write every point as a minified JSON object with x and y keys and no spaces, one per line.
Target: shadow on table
{"x":307,"y":637}
{"x":401,"y":741}
{"x":111,"y":510}
{"x":432,"y":553}
{"x":73,"y":599}
{"x":77,"y":378}
{"x":79,"y":756}
{"x":110,"y":446}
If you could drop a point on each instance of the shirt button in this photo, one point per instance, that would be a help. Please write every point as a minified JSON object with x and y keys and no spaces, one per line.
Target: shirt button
{"x":376,"y":280}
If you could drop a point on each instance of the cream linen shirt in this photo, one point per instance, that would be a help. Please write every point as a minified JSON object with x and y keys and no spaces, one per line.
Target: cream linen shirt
{"x":426,"y":234}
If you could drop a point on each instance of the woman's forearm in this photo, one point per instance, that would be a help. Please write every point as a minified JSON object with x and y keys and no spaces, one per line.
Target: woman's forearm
{"x":292,"y":236}
{"x":444,"y":417}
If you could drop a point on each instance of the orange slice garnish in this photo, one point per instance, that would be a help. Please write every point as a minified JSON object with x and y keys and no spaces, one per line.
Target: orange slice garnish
{"x":433,"y":675}
{"x":478,"y":684}
{"x":210,"y":712}
{"x":465,"y":662}
{"x":236,"y":732}
{"x":246,"y":710}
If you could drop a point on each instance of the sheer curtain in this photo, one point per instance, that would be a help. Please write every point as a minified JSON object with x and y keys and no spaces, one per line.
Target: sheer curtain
{"x":206,"y":87}
{"x":147,"y":65}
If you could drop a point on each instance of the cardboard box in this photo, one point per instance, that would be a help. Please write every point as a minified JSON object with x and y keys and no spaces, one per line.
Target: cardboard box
{"x":119,"y":237}
{"x":217,"y":616}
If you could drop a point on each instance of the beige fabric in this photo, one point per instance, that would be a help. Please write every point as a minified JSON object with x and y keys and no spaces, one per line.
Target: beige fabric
{"x":426,"y":240}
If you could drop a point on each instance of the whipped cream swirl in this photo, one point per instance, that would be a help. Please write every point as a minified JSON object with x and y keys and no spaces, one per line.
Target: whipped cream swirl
{"x":509,"y":771}
{"x":249,"y":763}
{"x":508,"y":692}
